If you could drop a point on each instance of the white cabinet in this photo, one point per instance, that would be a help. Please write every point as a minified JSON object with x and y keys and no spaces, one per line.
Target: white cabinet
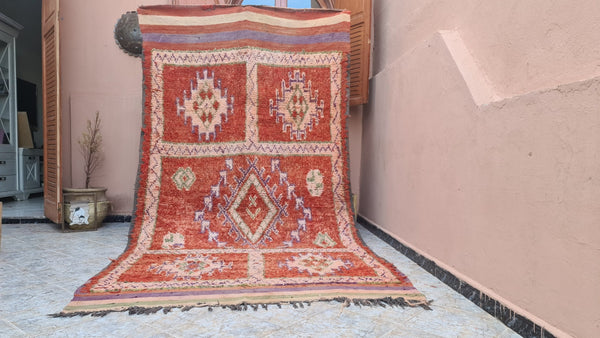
{"x":8,"y":174}
{"x":9,"y":30}
{"x":29,"y":172}
{"x":19,"y":168}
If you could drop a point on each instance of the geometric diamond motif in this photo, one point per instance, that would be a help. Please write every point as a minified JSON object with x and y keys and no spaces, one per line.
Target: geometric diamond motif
{"x":184,"y":178}
{"x":250,"y":218}
{"x":173,"y":241}
{"x":314,"y":182}
{"x":298,"y":108}
{"x":318,"y":264}
{"x":324,"y":241}
{"x":206,"y":107}
{"x":255,"y":208}
{"x":190,"y":267}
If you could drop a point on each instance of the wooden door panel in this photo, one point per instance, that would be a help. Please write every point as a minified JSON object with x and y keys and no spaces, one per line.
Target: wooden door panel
{"x":360,"y":47}
{"x":51,"y":101}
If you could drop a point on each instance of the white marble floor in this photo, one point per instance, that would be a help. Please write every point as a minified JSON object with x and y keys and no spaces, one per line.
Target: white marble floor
{"x":29,"y":208}
{"x":40,"y":268}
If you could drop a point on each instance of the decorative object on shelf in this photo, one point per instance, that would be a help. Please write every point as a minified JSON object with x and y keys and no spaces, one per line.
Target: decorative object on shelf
{"x":24,"y":132}
{"x":243,"y":198}
{"x":86,"y":208}
{"x":127,"y":34}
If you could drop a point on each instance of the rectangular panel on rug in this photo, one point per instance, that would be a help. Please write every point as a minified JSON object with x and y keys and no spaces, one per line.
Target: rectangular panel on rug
{"x":209,"y":102}
{"x":257,"y":202}
{"x":243,"y":193}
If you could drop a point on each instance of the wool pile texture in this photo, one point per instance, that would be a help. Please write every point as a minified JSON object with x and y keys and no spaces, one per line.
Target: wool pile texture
{"x":243,"y":195}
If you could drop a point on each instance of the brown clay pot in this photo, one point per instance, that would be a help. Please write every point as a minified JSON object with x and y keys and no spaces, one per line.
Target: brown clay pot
{"x":79,"y":210}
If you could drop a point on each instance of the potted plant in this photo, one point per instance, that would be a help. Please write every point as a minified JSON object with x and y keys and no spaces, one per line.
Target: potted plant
{"x":86,"y":208}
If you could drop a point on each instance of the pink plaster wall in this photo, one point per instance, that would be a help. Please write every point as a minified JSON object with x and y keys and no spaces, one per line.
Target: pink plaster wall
{"x":538,"y":38}
{"x":97,"y":75}
{"x":355,"y":149}
{"x":504,"y":192}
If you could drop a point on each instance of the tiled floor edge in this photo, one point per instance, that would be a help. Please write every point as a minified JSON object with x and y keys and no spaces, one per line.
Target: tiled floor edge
{"x":117,"y":219}
{"x":518,"y":323}
{"x":24,"y":220}
{"x":29,"y":220}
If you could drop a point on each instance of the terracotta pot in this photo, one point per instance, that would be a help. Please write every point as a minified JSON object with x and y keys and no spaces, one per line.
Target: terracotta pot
{"x":79,"y":210}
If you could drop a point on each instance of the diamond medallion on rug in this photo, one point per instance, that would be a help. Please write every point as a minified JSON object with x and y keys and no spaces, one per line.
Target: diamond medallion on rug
{"x":243,"y":195}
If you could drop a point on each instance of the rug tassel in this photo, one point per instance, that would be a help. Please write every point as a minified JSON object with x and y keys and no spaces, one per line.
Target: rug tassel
{"x":344,"y":302}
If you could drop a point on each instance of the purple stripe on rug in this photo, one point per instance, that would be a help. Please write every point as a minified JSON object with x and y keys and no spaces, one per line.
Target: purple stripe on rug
{"x":247,"y":34}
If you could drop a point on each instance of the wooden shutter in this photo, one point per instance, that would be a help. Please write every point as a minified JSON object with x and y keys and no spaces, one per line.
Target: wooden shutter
{"x":51,"y":99}
{"x":360,"y":47}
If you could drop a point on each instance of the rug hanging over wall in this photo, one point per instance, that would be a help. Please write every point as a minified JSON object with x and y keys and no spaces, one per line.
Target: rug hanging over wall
{"x":243,"y":195}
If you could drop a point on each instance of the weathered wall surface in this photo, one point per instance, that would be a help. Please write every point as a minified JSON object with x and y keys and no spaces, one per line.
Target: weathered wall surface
{"x":481,"y":148}
{"x":98,"y":76}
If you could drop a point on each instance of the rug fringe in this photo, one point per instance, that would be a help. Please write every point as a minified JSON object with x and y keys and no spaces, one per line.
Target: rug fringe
{"x":345,"y":301}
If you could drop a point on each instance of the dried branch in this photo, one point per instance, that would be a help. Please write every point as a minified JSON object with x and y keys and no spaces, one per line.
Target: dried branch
{"x":90,"y":145}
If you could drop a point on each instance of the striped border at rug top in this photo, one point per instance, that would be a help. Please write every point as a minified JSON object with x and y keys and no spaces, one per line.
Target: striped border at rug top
{"x":299,"y":29}
{"x":243,"y":16}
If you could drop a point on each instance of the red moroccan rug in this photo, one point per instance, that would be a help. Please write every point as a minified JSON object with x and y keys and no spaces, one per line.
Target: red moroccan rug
{"x":243,"y":196}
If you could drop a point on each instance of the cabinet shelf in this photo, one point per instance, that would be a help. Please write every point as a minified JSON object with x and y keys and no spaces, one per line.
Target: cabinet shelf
{"x":12,"y":170}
